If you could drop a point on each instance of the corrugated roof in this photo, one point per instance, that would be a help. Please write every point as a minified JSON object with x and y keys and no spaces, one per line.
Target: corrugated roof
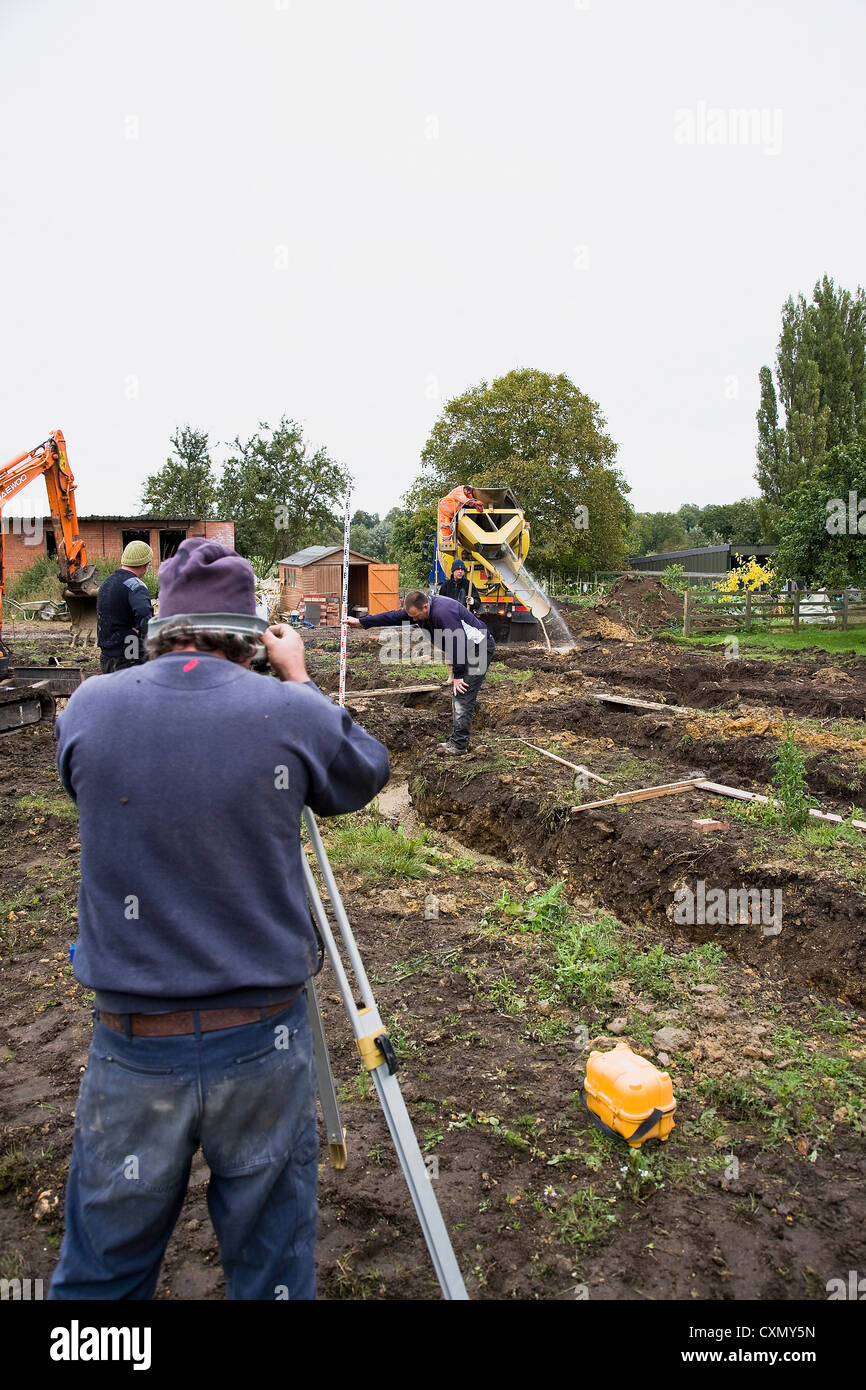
{"x":153,"y":520}
{"x":736,"y":548}
{"x":158,"y":520}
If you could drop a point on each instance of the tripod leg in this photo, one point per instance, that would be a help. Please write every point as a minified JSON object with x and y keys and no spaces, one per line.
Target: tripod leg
{"x":325,"y":1077}
{"x":369,"y":1033}
{"x":419,"y":1184}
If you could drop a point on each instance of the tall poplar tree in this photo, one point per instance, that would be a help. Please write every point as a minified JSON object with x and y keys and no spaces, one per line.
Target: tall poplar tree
{"x":818,"y":398}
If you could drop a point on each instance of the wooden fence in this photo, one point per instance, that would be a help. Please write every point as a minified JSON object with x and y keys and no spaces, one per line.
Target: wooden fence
{"x":704,"y":612}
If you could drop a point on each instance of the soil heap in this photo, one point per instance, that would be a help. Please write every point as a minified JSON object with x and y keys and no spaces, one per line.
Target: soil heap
{"x":642,"y":603}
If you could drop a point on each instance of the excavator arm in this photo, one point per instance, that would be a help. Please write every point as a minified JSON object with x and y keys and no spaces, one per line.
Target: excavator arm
{"x":79,"y":577}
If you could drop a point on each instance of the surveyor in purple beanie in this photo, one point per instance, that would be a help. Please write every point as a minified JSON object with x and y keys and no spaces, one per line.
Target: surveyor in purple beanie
{"x":190,"y":774}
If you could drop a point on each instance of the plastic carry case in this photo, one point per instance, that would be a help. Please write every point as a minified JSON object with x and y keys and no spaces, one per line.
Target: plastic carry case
{"x":627,"y":1096}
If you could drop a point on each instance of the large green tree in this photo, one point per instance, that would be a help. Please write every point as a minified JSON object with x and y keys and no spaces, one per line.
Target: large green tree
{"x":823,"y":531}
{"x":649,"y":532}
{"x":818,"y":398}
{"x":412,"y":543}
{"x":371,"y":535}
{"x":543,"y":438}
{"x":281,"y":494}
{"x":691,"y":526}
{"x":186,"y":486}
{"x":737,"y":523}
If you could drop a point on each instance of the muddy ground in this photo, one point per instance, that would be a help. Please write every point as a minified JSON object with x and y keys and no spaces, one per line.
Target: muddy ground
{"x":494,"y":1002}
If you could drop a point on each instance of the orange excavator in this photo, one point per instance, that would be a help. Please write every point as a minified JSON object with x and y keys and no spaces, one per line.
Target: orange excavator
{"x":24,"y":701}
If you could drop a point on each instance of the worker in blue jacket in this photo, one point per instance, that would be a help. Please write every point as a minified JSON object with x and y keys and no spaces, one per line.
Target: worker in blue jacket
{"x":468,"y":647}
{"x":123,"y":610}
{"x":190,"y":774}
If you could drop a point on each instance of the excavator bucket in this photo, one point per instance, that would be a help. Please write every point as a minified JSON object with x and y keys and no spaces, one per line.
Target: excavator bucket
{"x":80,"y":594}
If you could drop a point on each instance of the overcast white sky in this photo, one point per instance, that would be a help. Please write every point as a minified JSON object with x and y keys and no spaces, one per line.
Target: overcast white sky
{"x":220,"y":211}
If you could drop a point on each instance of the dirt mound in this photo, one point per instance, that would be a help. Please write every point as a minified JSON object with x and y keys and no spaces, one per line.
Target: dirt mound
{"x":591,"y":623}
{"x":831,"y":675}
{"x":642,"y":602}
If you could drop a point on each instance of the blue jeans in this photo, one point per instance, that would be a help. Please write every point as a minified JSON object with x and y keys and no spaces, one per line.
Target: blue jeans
{"x":463,"y":706}
{"x":247,"y":1096}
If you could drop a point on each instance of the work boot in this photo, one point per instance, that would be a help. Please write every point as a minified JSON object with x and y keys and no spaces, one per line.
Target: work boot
{"x":449,"y":748}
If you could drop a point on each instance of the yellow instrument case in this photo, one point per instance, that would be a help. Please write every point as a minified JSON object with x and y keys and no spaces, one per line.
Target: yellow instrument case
{"x":628,"y":1096}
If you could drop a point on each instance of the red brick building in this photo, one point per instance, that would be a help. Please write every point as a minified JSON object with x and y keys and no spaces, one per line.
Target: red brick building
{"x":104,"y":537}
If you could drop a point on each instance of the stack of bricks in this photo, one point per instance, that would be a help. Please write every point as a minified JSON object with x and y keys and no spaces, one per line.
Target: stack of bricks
{"x":329,"y":608}
{"x":331,"y":611}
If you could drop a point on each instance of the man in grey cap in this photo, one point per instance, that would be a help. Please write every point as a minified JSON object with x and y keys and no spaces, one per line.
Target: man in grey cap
{"x":123,"y":610}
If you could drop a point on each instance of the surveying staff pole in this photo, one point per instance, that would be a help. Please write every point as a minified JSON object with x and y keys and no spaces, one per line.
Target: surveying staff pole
{"x":344,"y":611}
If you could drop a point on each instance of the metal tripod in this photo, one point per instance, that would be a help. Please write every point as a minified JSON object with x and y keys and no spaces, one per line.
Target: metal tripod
{"x":377,"y":1055}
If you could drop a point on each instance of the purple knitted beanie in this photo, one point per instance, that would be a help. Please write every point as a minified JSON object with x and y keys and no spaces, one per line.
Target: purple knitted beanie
{"x":206,"y":577}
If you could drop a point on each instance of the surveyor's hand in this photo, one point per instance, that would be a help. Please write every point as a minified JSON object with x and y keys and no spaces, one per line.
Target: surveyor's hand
{"x":353,"y":622}
{"x":285,"y":652}
{"x":460,"y":686}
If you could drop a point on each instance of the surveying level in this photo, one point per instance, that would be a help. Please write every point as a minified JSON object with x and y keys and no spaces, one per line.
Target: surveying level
{"x":379,"y":1058}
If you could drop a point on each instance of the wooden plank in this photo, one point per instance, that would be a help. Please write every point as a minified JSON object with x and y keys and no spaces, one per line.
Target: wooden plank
{"x":638,"y":704}
{"x":393,"y":690}
{"x":719,"y":789}
{"x":578,"y":767}
{"x":643,"y":794}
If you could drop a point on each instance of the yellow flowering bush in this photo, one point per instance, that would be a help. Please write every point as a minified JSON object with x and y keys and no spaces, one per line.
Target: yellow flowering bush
{"x":747,"y":577}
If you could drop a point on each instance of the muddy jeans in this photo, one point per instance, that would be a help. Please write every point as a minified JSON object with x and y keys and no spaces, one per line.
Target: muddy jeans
{"x":463,"y":706}
{"x":247,"y":1096}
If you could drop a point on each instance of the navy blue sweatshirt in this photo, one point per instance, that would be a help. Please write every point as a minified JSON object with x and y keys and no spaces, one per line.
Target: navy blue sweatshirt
{"x":190,"y":774}
{"x":123,"y":610}
{"x":446,"y":615}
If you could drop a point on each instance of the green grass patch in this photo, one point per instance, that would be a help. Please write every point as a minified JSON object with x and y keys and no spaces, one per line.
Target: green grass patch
{"x":48,"y":806}
{"x":590,"y":954}
{"x":503,"y":993}
{"x":802,"y":1096}
{"x":837,"y":848}
{"x":374,"y":849}
{"x":782,"y":643}
{"x":397,"y":671}
{"x":499,"y":672}
{"x":583,"y":1217}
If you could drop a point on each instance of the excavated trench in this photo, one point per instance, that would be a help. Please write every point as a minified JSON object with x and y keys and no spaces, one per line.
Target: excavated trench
{"x":631,"y":862}
{"x":736,"y":748}
{"x":508,"y":803}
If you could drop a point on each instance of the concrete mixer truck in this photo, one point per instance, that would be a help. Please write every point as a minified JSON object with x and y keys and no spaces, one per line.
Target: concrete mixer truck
{"x":485,"y":527}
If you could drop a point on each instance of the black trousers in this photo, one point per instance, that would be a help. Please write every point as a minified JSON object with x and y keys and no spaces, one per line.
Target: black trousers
{"x":113,"y":661}
{"x":463,"y":706}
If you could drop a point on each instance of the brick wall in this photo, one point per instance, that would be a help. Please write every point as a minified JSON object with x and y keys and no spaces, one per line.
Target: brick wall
{"x":103,"y":539}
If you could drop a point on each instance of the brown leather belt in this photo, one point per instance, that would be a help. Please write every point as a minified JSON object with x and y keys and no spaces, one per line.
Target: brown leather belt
{"x":167,"y":1025}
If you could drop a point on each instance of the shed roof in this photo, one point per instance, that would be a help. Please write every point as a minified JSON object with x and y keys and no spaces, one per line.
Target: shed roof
{"x":313,"y":553}
{"x":734,"y":548}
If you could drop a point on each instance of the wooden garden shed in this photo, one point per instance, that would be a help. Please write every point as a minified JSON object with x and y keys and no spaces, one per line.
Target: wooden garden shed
{"x":312,"y":581}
